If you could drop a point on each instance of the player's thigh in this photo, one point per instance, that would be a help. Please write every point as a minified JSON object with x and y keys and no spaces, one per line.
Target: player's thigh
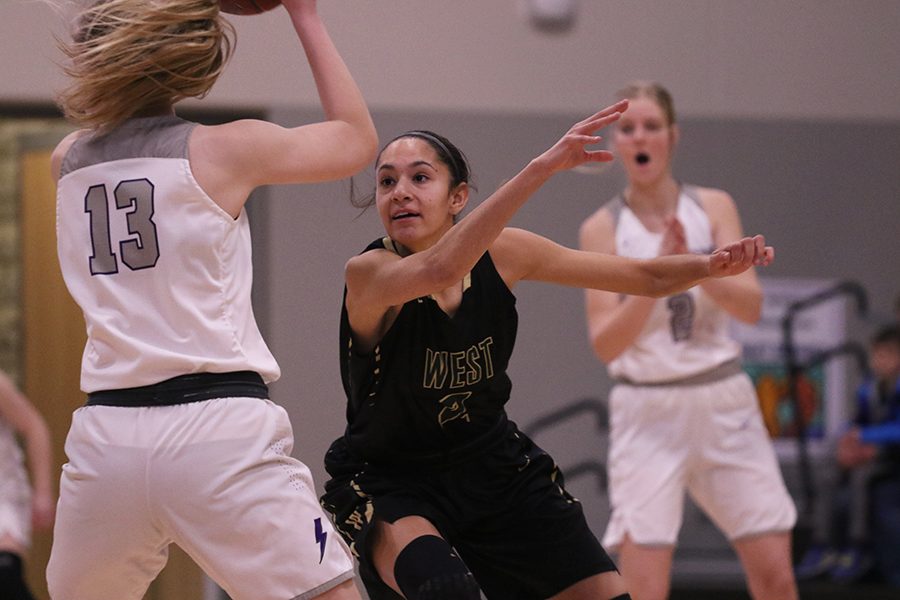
{"x":246,"y":510}
{"x":535,"y":541}
{"x":105,"y":545}
{"x":738,"y":480}
{"x":650,"y":446}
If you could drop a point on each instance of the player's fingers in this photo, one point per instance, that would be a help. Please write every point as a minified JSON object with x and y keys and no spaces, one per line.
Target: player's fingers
{"x":726,"y":259}
{"x":760,"y":242}
{"x":612,"y":110}
{"x":599,"y":155}
{"x":601,"y":122}
{"x":602,"y":118}
{"x":585,"y":140}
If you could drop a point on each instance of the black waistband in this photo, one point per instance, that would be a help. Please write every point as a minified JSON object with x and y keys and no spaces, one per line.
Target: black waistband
{"x":195,"y":387}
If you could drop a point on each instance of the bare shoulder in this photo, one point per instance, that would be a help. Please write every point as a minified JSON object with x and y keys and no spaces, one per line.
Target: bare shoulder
{"x":715,"y":201}
{"x":238,"y":129}
{"x":511,"y":242}
{"x":723,"y":214}
{"x":235,"y":137}
{"x":360,"y":266}
{"x":511,"y":236}
{"x":513,"y":253}
{"x":59,"y":153}
{"x":597,"y":231}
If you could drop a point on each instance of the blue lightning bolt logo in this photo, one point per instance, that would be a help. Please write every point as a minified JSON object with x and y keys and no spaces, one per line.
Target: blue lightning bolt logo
{"x":321,"y":536}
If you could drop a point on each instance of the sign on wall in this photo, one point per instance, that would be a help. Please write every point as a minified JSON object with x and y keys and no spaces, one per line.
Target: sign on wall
{"x":817,"y":329}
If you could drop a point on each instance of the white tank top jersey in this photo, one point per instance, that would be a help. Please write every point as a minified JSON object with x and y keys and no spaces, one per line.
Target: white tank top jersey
{"x":686,"y":334}
{"x":161,"y":272}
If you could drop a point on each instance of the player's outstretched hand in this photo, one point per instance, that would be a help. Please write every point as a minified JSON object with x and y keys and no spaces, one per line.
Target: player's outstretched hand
{"x":570,"y":151}
{"x":739,"y":256}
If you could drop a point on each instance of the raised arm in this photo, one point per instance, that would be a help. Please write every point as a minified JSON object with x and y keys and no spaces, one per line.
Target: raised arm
{"x":231,"y":159}
{"x":523,"y":255}
{"x":377,"y":281}
{"x":28,"y":423}
{"x":614,"y":321}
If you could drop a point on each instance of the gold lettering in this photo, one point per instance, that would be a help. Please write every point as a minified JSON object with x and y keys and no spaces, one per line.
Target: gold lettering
{"x":435,"y":369}
{"x":457,"y":379}
{"x":486,"y":352}
{"x":473,"y":375}
{"x":458,"y":369}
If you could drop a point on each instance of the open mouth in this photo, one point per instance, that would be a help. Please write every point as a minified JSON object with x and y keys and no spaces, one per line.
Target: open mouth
{"x":642,"y":158}
{"x":404,"y":215}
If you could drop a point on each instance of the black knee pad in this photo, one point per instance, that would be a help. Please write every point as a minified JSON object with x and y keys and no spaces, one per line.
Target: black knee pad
{"x":12,"y":586}
{"x":429,"y":569}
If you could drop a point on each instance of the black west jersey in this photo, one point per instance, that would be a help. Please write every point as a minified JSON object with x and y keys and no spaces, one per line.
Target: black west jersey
{"x":434,"y":383}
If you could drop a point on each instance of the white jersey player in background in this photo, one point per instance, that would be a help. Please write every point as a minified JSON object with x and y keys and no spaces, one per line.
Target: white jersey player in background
{"x":683,"y":414}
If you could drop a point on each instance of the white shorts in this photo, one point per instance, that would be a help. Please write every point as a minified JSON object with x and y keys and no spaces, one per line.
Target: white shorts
{"x":214,"y":477}
{"x":707,"y":439}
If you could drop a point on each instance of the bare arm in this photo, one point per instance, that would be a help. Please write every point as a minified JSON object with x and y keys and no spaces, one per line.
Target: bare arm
{"x":377,"y":281}
{"x":27,"y":421}
{"x":230,"y":160}
{"x":614,"y":321}
{"x":740,"y":296}
{"x":520,"y":254}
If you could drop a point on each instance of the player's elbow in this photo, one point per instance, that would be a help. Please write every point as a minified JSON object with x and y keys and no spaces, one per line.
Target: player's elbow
{"x":442,"y":273}
{"x":368,"y":143}
{"x":361,"y":145}
{"x":748,"y":305}
{"x":605,"y":354}
{"x":751,"y":313}
{"x":603,"y":347}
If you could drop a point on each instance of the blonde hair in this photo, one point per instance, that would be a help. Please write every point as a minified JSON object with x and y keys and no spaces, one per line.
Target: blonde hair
{"x":652,"y":90}
{"x":127,"y":57}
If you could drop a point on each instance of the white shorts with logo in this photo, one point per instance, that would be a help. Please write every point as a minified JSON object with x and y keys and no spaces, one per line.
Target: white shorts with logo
{"x":708,"y":440}
{"x":214,"y":477}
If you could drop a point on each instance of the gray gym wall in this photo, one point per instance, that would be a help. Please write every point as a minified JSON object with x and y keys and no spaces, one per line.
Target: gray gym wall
{"x":790,"y":106}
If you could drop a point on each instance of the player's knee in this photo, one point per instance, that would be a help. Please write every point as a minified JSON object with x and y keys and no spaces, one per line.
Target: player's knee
{"x":429,"y":569}
{"x":12,"y":585}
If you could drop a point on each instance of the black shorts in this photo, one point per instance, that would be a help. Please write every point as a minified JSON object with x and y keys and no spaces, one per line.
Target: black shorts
{"x":505,"y":511}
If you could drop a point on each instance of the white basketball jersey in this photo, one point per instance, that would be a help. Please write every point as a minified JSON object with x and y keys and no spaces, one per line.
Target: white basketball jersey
{"x":686,"y":334}
{"x":161,"y":272}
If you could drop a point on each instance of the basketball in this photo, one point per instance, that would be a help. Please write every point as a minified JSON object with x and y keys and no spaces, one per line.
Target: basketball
{"x":247,"y":7}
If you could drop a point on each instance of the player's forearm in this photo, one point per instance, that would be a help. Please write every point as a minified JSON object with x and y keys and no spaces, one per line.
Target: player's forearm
{"x":612,"y":333}
{"x":667,"y":275}
{"x":740,"y":296}
{"x":461,"y":247}
{"x":339,"y":94}
{"x":39,"y":454}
